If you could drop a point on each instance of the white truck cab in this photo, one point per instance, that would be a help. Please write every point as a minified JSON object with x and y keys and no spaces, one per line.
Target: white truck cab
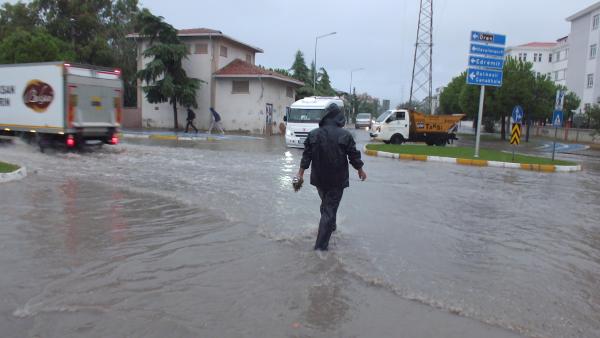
{"x":392,"y":123}
{"x":303,"y":116}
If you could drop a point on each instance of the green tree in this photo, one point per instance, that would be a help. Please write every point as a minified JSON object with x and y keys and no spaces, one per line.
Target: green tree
{"x":449,"y":98}
{"x":281,"y":71}
{"x":300,"y":72}
{"x":164,"y":76}
{"x":22,"y":46}
{"x":324,"y":85}
{"x":593,"y":115}
{"x":19,"y":16}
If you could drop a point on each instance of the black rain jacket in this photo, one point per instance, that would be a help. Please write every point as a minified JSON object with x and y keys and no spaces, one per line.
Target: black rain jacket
{"x":330,"y":148}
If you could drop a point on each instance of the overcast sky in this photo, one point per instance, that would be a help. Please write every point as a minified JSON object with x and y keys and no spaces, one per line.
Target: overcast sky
{"x":378,"y":35}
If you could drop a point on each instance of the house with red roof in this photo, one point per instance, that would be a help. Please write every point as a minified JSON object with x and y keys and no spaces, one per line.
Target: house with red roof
{"x":248,"y":97}
{"x":548,"y":58}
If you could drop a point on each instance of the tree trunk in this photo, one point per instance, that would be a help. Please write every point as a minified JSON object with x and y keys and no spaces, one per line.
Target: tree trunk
{"x":503,"y":128}
{"x":175,"y":125}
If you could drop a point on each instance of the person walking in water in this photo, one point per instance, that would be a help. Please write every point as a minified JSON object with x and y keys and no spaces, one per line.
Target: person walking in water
{"x":216,"y":121}
{"x":190,"y":120}
{"x":329,"y":148}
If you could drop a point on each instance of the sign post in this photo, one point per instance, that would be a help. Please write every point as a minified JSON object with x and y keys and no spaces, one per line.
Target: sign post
{"x":515,"y":134}
{"x":557,"y":121}
{"x":486,"y":60}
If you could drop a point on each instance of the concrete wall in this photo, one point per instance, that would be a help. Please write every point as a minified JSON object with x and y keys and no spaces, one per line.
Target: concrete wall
{"x":247,"y":112}
{"x":132,"y":118}
{"x":200,"y":66}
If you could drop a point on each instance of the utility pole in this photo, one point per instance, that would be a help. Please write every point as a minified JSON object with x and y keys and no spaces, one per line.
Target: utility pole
{"x":421,"y":83}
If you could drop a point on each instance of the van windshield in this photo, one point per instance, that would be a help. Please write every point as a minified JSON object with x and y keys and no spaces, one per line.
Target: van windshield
{"x":305,"y":115}
{"x":383,"y":116}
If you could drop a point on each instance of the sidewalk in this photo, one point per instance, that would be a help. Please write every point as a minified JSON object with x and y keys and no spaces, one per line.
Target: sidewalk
{"x":182,"y":136}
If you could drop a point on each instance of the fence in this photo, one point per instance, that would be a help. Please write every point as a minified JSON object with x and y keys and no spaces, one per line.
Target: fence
{"x":567,"y":134}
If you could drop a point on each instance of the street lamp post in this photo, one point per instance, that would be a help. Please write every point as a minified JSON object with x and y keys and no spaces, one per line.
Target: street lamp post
{"x":350,"y":92}
{"x":315,"y":72}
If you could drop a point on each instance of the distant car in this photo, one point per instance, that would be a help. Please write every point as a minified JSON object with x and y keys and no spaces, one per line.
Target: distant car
{"x":363,"y":120}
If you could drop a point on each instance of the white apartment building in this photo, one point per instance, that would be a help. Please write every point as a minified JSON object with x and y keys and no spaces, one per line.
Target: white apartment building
{"x":548,"y":58}
{"x":248,"y":97}
{"x":584,"y":40}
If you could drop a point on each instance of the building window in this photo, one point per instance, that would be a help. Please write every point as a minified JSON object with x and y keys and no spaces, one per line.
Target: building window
{"x":201,"y":48}
{"x":586,"y":107}
{"x":590,"y":80}
{"x":223,"y":51}
{"x":595,"y":21}
{"x":249,"y":58}
{"x":550,"y":57}
{"x":534,"y":57}
{"x":525,"y":57}
{"x":289,"y":92}
{"x":520,"y":56}
{"x":593,"y":50}
{"x":240,"y":87}
{"x":549,"y":75}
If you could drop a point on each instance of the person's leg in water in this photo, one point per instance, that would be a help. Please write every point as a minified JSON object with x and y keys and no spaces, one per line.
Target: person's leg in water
{"x":193,"y":126}
{"x":330,"y":201}
{"x":212,"y":125}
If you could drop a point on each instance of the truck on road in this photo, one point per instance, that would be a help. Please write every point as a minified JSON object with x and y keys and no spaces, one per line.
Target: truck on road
{"x":60,"y":103}
{"x":402,"y":125}
{"x":304,"y":115}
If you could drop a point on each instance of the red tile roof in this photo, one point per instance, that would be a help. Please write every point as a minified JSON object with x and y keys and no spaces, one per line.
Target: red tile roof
{"x":240,"y":68}
{"x":539,"y":44}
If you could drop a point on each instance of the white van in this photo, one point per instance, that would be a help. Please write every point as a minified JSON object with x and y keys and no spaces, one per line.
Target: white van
{"x":304,"y":115}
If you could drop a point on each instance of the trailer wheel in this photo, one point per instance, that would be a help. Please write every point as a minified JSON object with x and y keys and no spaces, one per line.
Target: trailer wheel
{"x":386,"y":142}
{"x":397,"y":139}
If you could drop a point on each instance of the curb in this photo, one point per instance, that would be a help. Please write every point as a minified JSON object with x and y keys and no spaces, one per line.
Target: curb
{"x":548,"y":168}
{"x":168,"y":137}
{"x":13,"y":176}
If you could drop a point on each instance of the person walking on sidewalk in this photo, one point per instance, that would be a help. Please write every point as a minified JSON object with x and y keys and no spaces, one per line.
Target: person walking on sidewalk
{"x":329,"y":148}
{"x":190,"y":120}
{"x":216,"y":121}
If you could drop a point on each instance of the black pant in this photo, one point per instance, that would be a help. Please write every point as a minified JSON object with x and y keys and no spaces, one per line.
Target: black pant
{"x":190,"y":123}
{"x":330,"y":201}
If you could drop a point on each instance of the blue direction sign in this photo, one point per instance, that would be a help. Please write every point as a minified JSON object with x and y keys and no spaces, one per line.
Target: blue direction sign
{"x":486,"y":50}
{"x":478,"y":61}
{"x":497,"y":39}
{"x":557,"y":118}
{"x":484,"y":77}
{"x":517,"y":114}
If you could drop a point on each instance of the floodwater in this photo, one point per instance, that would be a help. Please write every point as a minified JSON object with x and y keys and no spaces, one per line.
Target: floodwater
{"x":164,"y":239}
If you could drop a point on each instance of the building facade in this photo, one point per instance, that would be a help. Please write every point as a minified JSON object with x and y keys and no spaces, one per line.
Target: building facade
{"x":584,"y":41}
{"x":248,"y":98}
{"x":548,"y":58}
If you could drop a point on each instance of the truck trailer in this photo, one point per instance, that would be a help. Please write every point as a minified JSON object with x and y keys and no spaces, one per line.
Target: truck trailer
{"x":59,"y":103}
{"x":402,"y":125}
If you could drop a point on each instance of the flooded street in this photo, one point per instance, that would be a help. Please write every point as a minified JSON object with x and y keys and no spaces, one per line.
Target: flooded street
{"x":166,"y":239}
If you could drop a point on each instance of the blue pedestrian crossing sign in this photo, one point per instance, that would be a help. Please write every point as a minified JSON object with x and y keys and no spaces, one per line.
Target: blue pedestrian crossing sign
{"x":517,"y":114}
{"x":557,"y":118}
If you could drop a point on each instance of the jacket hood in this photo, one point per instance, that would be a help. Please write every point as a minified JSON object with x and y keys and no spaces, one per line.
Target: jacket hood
{"x":333,"y":116}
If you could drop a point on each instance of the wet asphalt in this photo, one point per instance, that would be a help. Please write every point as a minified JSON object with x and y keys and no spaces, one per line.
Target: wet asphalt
{"x":156,"y":238}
